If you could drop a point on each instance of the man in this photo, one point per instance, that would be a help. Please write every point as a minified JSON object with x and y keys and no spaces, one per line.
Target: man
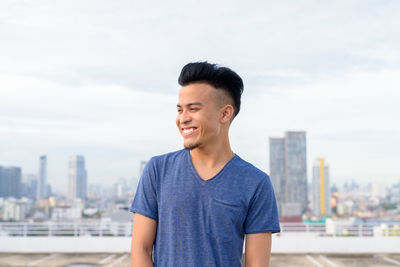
{"x":196,"y":205}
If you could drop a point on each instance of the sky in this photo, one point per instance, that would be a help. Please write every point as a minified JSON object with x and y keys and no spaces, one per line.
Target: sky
{"x":99,"y":79}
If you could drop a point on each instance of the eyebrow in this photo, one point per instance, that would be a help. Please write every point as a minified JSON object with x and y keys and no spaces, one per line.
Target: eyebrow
{"x":191,"y":104}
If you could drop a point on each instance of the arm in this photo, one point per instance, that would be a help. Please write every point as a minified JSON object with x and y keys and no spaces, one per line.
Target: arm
{"x":258,"y":249}
{"x":143,"y":236}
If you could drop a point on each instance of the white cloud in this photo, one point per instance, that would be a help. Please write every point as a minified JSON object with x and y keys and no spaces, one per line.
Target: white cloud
{"x":99,"y":78}
{"x":41,"y":116}
{"x":350,"y":119}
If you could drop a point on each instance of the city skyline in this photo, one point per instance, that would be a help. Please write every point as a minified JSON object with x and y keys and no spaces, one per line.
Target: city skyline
{"x":108,"y":89}
{"x":60,"y":186}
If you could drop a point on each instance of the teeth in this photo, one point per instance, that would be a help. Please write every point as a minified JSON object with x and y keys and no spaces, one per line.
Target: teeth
{"x":188,"y":130}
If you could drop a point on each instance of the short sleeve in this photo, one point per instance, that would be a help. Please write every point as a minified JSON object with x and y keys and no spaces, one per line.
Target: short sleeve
{"x":145,"y":201}
{"x":262,"y":215}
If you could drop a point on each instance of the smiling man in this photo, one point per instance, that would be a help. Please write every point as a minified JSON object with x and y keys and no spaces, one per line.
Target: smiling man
{"x":195,"y":206}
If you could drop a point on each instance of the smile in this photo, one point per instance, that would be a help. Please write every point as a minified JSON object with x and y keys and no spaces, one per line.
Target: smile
{"x":188,"y":131}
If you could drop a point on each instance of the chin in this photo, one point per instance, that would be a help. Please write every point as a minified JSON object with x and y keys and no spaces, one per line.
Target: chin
{"x":191,"y":146}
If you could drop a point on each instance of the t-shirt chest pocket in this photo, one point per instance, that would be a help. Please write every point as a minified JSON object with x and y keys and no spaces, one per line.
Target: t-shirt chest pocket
{"x":222,"y":220}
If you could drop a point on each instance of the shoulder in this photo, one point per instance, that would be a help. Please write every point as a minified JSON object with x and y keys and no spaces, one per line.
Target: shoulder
{"x":168,"y":156}
{"x":160,"y":165}
{"x":249,"y":172}
{"x":164,"y":160}
{"x":253,"y":181}
{"x":252,"y":178}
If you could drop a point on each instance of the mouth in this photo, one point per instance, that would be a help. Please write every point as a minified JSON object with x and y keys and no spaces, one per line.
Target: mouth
{"x":188,"y":131}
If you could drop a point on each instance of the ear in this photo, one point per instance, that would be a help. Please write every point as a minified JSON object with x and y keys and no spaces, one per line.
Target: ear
{"x":227,"y":113}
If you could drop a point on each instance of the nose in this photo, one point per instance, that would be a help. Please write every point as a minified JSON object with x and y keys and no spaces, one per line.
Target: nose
{"x":184,"y":117}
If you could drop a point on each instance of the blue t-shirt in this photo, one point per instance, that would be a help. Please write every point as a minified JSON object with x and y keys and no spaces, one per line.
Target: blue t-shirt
{"x":203,"y":222}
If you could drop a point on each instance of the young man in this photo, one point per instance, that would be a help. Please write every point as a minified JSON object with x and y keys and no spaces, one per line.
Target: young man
{"x":196,"y":205}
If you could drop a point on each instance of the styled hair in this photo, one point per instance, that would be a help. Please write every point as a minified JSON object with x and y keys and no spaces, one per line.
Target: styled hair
{"x":221,"y":78}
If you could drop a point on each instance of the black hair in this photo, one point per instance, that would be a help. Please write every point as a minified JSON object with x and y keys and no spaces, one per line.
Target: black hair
{"x":219,"y":77}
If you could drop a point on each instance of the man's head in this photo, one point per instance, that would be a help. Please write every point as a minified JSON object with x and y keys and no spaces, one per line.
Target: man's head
{"x":221,"y":78}
{"x":208,"y":101}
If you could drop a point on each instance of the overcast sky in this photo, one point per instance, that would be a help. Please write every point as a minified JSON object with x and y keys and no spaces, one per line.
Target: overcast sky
{"x":99,"y":78}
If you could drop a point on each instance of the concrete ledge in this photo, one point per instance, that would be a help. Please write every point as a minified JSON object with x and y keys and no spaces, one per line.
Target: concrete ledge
{"x":280,"y":244}
{"x":65,"y":244}
{"x":332,"y":245}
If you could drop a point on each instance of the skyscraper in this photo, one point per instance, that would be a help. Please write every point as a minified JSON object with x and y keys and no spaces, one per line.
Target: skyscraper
{"x":77,"y":178}
{"x":277,"y":167}
{"x":10,"y":182}
{"x":30,"y":182}
{"x":288,"y":171}
{"x":321,"y":192}
{"x":42,"y":181}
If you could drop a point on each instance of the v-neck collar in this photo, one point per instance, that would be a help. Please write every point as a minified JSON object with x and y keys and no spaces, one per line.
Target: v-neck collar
{"x":212,"y":180}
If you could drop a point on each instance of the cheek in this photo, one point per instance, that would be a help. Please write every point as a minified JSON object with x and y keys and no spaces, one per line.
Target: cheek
{"x":210,"y":125}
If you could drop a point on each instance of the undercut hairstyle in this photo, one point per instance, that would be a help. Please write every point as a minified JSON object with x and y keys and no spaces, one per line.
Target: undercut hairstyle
{"x":221,"y":78}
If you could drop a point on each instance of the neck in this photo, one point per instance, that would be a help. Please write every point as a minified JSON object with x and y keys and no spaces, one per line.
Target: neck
{"x":213,"y":155}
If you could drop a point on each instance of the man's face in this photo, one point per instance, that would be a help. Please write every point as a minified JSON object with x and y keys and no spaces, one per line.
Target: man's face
{"x":198,"y":118}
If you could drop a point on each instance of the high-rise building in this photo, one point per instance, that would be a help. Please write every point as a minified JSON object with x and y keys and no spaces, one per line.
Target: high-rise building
{"x":321,"y":189}
{"x":296,"y":168}
{"x":77,"y":178}
{"x":288,"y":171}
{"x":30,"y":182}
{"x":10,"y":182}
{"x":42,"y":181}
{"x":277,"y":167}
